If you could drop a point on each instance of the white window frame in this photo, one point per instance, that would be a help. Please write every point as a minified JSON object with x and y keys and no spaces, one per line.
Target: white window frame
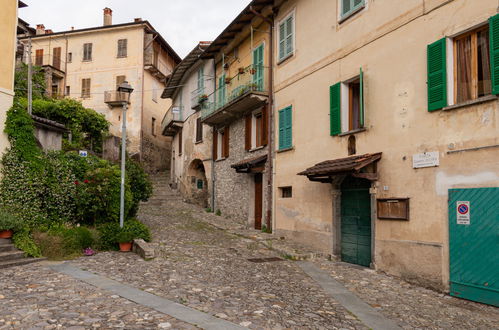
{"x":293,"y":36}
{"x":220,"y":142}
{"x":254,"y":114}
{"x":345,"y":104}
{"x":343,"y":17}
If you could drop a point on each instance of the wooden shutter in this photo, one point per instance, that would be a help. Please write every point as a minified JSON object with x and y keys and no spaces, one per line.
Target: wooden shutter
{"x":226,"y":142}
{"x":122,"y":47}
{"x":215,"y":144}
{"x":56,"y":61}
{"x":281,"y":129}
{"x":437,"y":75}
{"x":85,"y":88}
{"x":494,"y":52}
{"x":87,"y":52}
{"x":361,"y":99}
{"x":199,"y":130}
{"x":288,"y":128}
{"x":247,"y":134}
{"x":335,"y":109}
{"x":39,"y":57}
{"x":289,"y":35}
{"x":282,"y":40}
{"x":265,"y":126}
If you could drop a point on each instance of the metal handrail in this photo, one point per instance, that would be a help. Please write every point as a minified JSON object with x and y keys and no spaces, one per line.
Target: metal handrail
{"x":174,"y":113}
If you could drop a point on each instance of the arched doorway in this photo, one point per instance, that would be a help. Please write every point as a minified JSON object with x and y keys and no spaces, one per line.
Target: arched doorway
{"x":198,"y":185}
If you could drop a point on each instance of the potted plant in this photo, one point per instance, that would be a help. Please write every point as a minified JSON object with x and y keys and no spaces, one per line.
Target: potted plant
{"x":8,"y":224}
{"x":241,"y":70}
{"x":125,"y":239}
{"x":252,"y":70}
{"x":202,"y":98}
{"x":227,"y":80}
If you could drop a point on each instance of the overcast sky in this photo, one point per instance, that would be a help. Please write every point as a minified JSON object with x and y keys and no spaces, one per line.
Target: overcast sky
{"x":183,"y":23}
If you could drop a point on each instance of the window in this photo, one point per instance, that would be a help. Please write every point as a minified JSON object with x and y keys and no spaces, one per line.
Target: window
{"x":285,"y":126}
{"x":200,"y":80}
{"x":286,"y":47}
{"x":199,"y":130}
{"x":221,"y":91}
{"x":70,"y":57}
{"x":350,"y":7}
{"x":87,"y":52}
{"x":119,"y":81}
{"x":286,"y":192}
{"x":472,"y":65}
{"x":68,"y":90}
{"x":39,"y":57}
{"x":85,"y":88}
{"x":346,"y":111}
{"x":256,"y":129}
{"x":56,"y":58}
{"x":221,"y":143}
{"x":199,"y":184}
{"x":122,"y":47}
{"x":180,"y":142}
{"x":153,"y":126}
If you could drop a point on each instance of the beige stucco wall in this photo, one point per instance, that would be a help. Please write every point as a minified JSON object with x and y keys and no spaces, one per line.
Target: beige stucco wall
{"x":388,"y":40}
{"x":8,"y":24}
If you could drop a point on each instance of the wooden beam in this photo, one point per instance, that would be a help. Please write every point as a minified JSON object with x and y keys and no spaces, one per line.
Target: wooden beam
{"x":368,"y":176}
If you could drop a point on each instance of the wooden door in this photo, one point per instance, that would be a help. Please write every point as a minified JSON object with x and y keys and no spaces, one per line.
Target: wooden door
{"x":356,"y":222}
{"x":258,"y":200}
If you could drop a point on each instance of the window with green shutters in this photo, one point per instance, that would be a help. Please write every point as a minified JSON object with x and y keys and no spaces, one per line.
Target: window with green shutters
{"x":349,"y":7}
{"x":437,"y":75}
{"x":286,"y":42}
{"x":285,"y":128}
{"x":200,"y":89}
{"x":335,"y":109}
{"x":494,"y":52}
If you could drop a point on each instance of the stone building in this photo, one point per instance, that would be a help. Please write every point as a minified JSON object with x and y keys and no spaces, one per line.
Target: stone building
{"x":238,"y":112}
{"x":88,"y":64}
{"x":388,"y":116}
{"x":191,"y":162}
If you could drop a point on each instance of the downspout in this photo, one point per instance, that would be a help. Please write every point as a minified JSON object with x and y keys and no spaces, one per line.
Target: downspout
{"x":65,"y":68}
{"x":142,"y":100}
{"x":270,"y":126}
{"x":213,"y":134}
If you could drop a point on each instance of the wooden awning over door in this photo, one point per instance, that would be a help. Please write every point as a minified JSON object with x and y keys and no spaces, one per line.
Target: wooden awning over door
{"x":250,"y":165}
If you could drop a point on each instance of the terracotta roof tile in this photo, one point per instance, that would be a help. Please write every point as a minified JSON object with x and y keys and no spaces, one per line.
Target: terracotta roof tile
{"x":341,"y":165}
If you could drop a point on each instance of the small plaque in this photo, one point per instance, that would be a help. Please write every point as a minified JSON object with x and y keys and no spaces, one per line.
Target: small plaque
{"x":427,"y":159}
{"x":393,"y":208}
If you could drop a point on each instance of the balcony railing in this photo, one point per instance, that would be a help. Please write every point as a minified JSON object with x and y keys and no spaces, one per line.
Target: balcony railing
{"x":252,"y":80}
{"x":172,"y":120}
{"x":115,"y":98}
{"x":198,"y":97}
{"x":49,"y":60}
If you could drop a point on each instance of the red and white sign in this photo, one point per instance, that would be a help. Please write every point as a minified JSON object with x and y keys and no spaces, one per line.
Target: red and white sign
{"x":463,"y":212}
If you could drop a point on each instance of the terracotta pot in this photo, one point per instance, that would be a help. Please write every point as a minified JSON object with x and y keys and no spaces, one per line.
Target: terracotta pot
{"x":241,"y":70}
{"x":126,"y":247}
{"x":6,"y":233}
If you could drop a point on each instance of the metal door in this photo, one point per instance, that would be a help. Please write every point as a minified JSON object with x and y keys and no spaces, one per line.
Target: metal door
{"x":474,"y":244}
{"x":356,"y":222}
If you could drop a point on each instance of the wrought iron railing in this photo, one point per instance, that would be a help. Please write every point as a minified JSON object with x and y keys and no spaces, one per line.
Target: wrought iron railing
{"x":175,"y":113}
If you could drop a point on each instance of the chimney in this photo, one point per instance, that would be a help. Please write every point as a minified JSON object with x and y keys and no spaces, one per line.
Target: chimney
{"x":138,"y":19}
{"x":49,"y":31}
{"x":108,"y":16}
{"x":40,"y":29}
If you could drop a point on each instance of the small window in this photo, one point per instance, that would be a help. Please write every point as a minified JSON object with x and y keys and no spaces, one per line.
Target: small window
{"x":56,"y":58}
{"x":153,"y":126}
{"x":221,"y":143}
{"x":119,"y":81}
{"x":68,"y":90}
{"x":39,"y":57}
{"x":85,"y":88}
{"x":199,"y":130}
{"x":285,"y":128}
{"x":180,"y":142}
{"x":70,"y":57}
{"x":87,"y":52}
{"x":354,"y":107}
{"x":350,"y":7}
{"x":286,"y":192}
{"x":199,"y":184}
{"x":472,"y":78}
{"x":286,"y":37}
{"x":122,"y":47}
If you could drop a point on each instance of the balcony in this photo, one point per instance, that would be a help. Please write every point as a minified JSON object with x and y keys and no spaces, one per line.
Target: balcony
{"x":115,"y":98}
{"x":197,"y":98}
{"x":244,"y":92}
{"x":173,"y":120}
{"x":52,"y":64}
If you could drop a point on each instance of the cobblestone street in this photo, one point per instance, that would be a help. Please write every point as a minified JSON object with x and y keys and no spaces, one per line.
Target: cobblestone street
{"x":207,"y":268}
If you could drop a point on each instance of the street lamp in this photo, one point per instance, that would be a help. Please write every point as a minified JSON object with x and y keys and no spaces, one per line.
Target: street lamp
{"x":125,"y":90}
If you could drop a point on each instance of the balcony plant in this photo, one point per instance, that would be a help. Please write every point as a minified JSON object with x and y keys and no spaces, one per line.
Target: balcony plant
{"x":125,"y":238}
{"x":8,"y":224}
{"x":202,"y":98}
{"x":252,"y":70}
{"x":227,"y":80}
{"x":241,"y":70}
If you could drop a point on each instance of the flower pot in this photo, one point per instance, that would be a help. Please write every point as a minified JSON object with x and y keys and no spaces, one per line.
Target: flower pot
{"x":252,"y":71}
{"x":227,"y":81}
{"x":126,"y":246}
{"x":6,"y":233}
{"x":241,"y":70}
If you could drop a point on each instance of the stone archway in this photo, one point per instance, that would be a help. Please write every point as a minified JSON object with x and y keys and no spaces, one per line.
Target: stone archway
{"x":197,"y":186}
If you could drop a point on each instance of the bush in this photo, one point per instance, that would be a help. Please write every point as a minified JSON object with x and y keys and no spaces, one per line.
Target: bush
{"x":62,"y":242}
{"x":140,"y":185}
{"x":110,"y":233}
{"x":9,"y":221}
{"x":24,"y":241}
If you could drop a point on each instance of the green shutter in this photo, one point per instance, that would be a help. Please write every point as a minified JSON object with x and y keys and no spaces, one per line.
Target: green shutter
{"x":282,"y":40}
{"x":437,"y":75}
{"x":281,"y":129}
{"x":494,"y":52}
{"x":361,"y":112}
{"x":285,"y":128}
{"x":258,"y":66}
{"x":335,"y":109}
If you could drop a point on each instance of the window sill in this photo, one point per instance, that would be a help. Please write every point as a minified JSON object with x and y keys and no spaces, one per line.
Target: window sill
{"x":285,"y":58}
{"x":483,"y":99}
{"x":350,"y":14}
{"x":198,"y":142}
{"x":285,"y":149}
{"x":256,"y":149}
{"x":220,"y":159}
{"x":121,"y":56}
{"x":358,"y":130}
{"x":86,"y":60}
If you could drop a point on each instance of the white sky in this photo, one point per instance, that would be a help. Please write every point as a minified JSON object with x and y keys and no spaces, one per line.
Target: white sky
{"x":183,"y":23}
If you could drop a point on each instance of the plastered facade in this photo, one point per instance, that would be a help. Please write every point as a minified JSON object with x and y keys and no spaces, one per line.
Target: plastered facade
{"x":388,"y":39}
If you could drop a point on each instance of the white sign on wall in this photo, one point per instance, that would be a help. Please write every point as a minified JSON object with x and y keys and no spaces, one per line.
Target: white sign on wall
{"x":427,"y":159}
{"x":463,"y":212}
{"x":83,"y":153}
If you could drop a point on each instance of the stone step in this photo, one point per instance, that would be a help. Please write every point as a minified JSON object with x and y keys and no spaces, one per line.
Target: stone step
{"x":4,"y":241}
{"x":11,"y":255}
{"x":7,"y":247}
{"x":19,"y":262}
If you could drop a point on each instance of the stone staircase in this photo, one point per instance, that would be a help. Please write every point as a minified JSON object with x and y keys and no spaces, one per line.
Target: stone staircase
{"x":162,"y":192}
{"x":11,"y":256}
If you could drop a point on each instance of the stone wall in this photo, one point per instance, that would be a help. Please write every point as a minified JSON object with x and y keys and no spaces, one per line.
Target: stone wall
{"x":155,"y":155}
{"x":49,"y":139}
{"x":234,"y":192}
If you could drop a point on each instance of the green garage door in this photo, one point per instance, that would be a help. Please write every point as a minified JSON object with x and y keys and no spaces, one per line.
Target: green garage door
{"x":474,"y":244}
{"x":356,"y":222}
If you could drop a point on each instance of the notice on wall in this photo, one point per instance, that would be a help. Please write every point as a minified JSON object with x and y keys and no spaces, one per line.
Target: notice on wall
{"x":427,"y":159}
{"x":463,"y":212}
{"x":83,"y":153}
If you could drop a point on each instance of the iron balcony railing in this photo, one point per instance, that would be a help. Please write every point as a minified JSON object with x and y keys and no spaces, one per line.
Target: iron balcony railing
{"x":250,"y":79}
{"x":115,"y":97}
{"x":174,"y":114}
{"x":198,"y":96}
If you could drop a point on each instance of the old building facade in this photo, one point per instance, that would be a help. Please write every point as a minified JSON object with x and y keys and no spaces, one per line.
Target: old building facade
{"x":191,"y":162}
{"x":385,"y":117}
{"x":88,"y":64}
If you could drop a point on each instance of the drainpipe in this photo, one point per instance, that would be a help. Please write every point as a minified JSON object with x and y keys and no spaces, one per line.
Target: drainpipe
{"x":270,"y":126}
{"x":213,"y":134}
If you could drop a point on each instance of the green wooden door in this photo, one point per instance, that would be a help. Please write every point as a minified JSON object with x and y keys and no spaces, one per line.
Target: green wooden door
{"x":356,"y":222}
{"x":258,"y":66}
{"x":474,"y":244}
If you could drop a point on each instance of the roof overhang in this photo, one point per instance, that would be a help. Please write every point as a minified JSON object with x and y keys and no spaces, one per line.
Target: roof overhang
{"x":250,"y":165}
{"x":49,"y":124}
{"x":328,"y":170}
{"x":21,"y":4}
